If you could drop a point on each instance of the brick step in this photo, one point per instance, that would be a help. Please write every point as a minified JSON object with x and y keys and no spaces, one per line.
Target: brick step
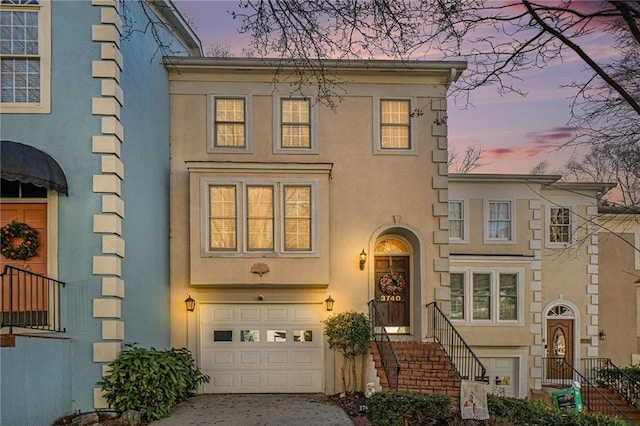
{"x":597,"y":403}
{"x":424,"y":367}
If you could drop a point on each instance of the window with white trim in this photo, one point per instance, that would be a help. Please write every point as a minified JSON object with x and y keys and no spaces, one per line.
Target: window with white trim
{"x":486,"y":296}
{"x":499,"y":222}
{"x":295,"y":123}
{"x":394,"y":133}
{"x":24,"y":56}
{"x":270,"y":216}
{"x":560,"y":225}
{"x":456,"y":220}
{"x":229,"y":122}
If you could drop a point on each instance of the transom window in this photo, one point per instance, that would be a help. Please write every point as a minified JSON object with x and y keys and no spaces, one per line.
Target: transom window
{"x":295,"y":122}
{"x":499,"y":226}
{"x":395,"y":126}
{"x":456,"y":220}
{"x":265,"y":214}
{"x":24,"y":56}
{"x":486,"y":296}
{"x":229,"y":123}
{"x":559,"y":225}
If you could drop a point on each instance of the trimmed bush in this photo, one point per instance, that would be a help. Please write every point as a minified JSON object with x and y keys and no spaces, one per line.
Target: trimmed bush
{"x":400,"y":408}
{"x":151,"y":381}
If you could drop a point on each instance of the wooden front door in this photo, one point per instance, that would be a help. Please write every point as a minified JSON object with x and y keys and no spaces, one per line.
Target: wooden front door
{"x":392,"y":292}
{"x":559,"y":348}
{"x":26,"y":296}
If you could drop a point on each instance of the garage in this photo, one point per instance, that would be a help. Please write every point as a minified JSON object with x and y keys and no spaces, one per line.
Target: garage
{"x":262,"y":347}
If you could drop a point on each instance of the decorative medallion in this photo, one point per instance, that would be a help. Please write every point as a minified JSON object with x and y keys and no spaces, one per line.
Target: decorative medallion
{"x":260,"y":268}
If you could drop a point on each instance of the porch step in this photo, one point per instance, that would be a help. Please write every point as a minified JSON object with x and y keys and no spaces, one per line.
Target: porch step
{"x":597,"y":403}
{"x":424,"y":368}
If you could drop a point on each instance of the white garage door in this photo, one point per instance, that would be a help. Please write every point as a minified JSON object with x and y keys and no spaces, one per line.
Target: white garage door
{"x":261,"y":348}
{"x":503,"y":375}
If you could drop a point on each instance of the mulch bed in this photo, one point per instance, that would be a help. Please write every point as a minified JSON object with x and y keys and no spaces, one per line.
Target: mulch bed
{"x":351,"y":404}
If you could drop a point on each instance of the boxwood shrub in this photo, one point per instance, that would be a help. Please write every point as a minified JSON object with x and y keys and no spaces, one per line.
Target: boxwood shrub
{"x":400,"y":408}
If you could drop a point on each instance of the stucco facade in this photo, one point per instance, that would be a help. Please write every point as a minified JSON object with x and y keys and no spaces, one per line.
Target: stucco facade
{"x":361,"y":194}
{"x":102,"y":115}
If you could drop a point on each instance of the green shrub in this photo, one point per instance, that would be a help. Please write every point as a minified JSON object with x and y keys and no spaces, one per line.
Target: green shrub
{"x":151,"y":381}
{"x":400,"y":408}
{"x":408,"y":408}
{"x":348,"y":333}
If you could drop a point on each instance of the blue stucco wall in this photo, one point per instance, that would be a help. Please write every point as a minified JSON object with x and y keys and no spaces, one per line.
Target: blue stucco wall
{"x":36,"y":377}
{"x":66,"y":134}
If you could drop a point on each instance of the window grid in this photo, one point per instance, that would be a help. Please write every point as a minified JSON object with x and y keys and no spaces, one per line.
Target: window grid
{"x":260,"y":218}
{"x":457,"y":296}
{"x":19,"y":55}
{"x":222,"y":217}
{"x":395,"y":127}
{"x":559,"y":225}
{"x":456,"y":220}
{"x":230,"y":123}
{"x":485,"y":297}
{"x":295,"y":123}
{"x":297,"y":218}
{"x":500,"y":220}
{"x":508,"y":294}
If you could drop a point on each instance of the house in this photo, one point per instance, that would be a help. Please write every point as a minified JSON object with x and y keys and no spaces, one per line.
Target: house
{"x":619,"y":282}
{"x":280,"y":203}
{"x":526,"y":274}
{"x":85,"y":163}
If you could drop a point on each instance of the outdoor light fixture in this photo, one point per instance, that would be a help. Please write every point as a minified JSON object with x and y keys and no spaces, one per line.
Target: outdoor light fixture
{"x":363,"y":259}
{"x":329,"y":301}
{"x":191,"y":304}
{"x":602,"y":335}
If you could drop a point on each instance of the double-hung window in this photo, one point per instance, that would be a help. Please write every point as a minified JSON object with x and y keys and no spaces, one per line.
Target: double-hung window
{"x":559,"y":225}
{"x":393,"y":129}
{"x":456,"y":220}
{"x":230,"y":123}
{"x":486,"y":296}
{"x":268,"y":217}
{"x":295,"y":123}
{"x":499,"y":223}
{"x":24,"y":56}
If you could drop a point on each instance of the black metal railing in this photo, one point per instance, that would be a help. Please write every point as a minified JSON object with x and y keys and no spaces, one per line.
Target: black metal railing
{"x":603,"y":372}
{"x":388,"y":356}
{"x":29,"y":300}
{"x":466,"y":363}
{"x":557,"y":371}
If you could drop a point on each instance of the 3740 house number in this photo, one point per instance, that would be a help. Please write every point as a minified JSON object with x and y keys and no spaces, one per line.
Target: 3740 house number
{"x":390,"y":298}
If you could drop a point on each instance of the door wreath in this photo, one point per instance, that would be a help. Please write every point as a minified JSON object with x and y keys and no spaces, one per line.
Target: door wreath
{"x":29,"y":238}
{"x":393,"y":283}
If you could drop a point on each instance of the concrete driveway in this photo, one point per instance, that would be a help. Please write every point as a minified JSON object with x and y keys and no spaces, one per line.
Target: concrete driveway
{"x":257,"y":409}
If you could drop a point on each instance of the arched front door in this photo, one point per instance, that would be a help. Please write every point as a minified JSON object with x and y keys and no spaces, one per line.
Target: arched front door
{"x":560,"y":320}
{"x":393,"y":284}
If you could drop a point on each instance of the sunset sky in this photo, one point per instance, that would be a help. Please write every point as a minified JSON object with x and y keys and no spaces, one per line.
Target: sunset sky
{"x":516,"y":132}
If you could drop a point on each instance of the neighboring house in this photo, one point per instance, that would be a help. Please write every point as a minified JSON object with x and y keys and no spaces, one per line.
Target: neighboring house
{"x":619,"y":296}
{"x":530,"y":277}
{"x":279,"y":203}
{"x":85,"y":162}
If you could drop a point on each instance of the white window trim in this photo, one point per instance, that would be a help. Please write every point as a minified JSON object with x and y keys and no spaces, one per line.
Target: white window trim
{"x":512,"y":219}
{"x":572,"y":226}
{"x":413,"y":131}
{"x":465,"y":224}
{"x":211,"y":123}
{"x":44,"y":53}
{"x":241,"y":217}
{"x":495,"y":296}
{"x":277,"y":129}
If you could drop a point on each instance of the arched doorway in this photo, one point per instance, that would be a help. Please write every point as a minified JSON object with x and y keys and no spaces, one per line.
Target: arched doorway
{"x":393,"y":282}
{"x":560,"y":341}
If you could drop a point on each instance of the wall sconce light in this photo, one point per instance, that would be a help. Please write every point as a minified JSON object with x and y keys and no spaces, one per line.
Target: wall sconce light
{"x":602,"y":335}
{"x":363,"y":259}
{"x":191,"y":304}
{"x":329,"y":301}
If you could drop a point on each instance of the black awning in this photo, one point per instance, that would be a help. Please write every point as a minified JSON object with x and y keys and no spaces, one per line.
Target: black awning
{"x":27,"y":164}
